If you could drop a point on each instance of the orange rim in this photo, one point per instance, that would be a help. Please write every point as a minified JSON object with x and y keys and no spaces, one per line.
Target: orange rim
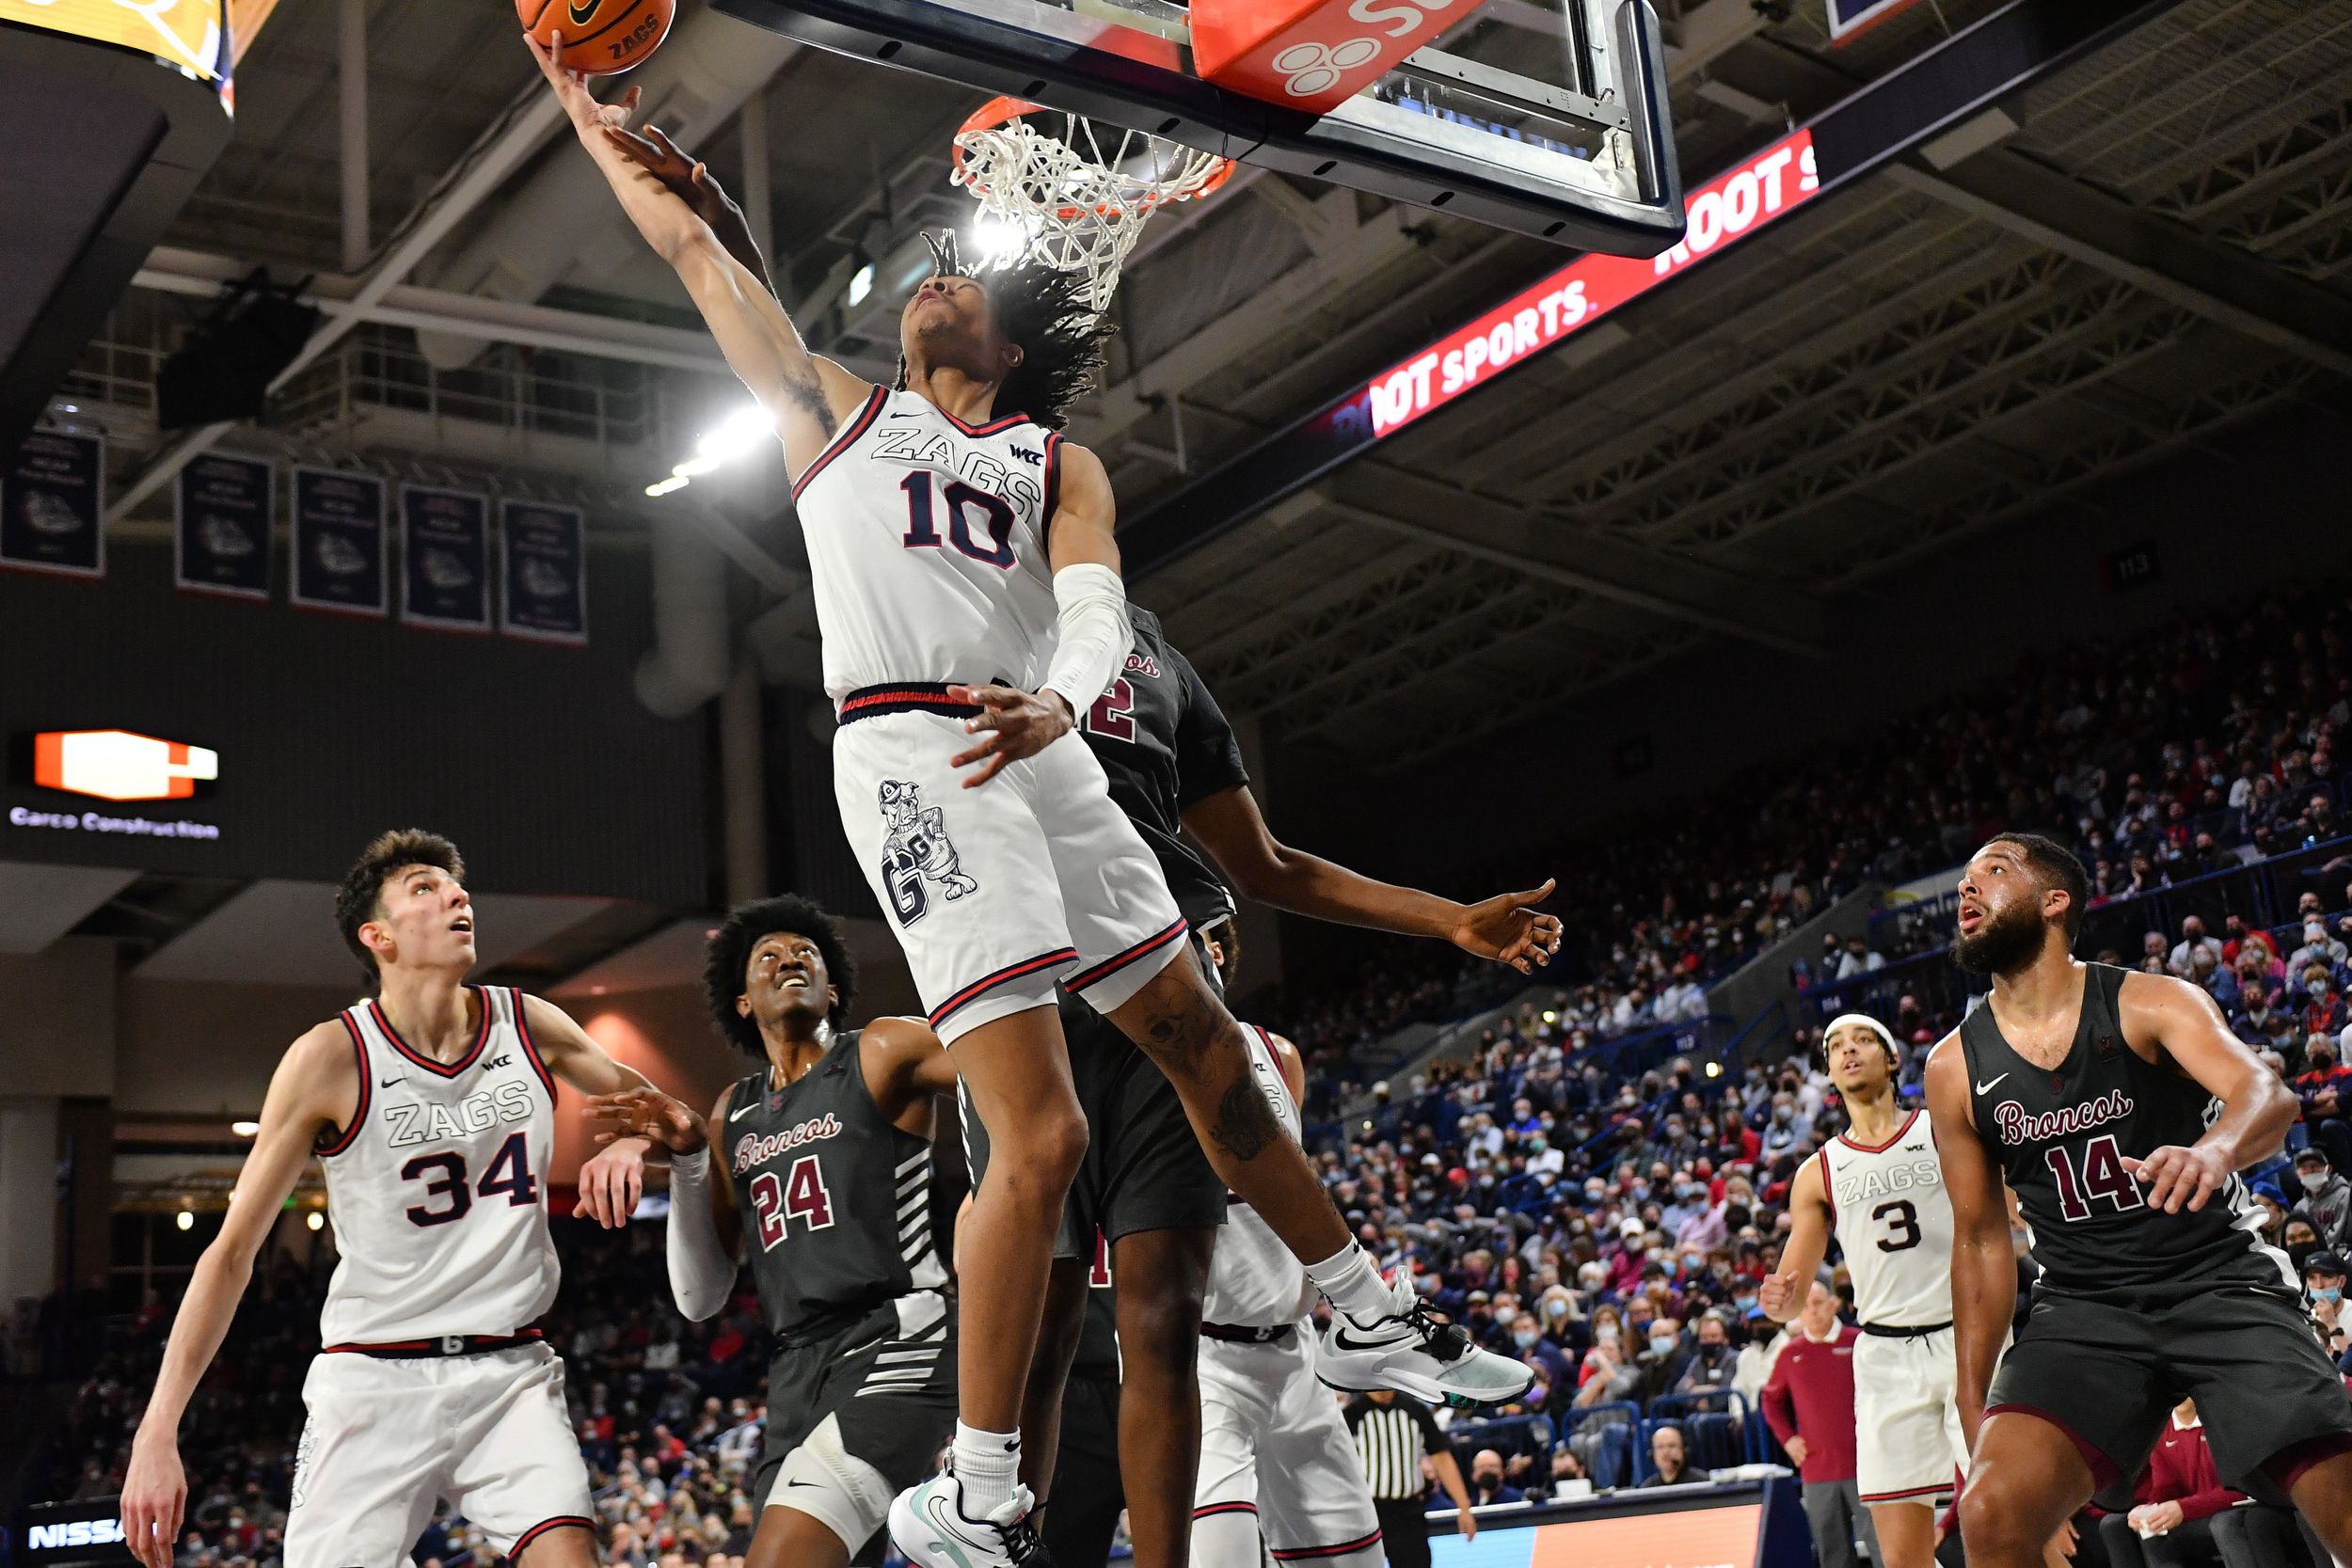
{"x":999,"y":110}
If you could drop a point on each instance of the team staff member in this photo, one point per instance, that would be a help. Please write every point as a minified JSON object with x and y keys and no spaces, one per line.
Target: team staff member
{"x":1392,"y":1433}
{"x":2175,"y":1506}
{"x":1809,"y":1403}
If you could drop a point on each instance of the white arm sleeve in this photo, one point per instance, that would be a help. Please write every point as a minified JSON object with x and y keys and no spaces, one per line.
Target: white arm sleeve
{"x":702,"y":1276}
{"x":1095,"y":635}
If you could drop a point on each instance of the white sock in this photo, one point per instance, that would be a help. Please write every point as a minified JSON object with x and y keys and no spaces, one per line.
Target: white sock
{"x":987,"y":1467}
{"x":1353,"y":1285}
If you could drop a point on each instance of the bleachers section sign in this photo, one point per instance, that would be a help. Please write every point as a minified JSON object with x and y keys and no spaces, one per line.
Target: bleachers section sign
{"x":191,"y":34}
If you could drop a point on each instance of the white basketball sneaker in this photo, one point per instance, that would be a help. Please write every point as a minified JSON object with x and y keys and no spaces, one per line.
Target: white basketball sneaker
{"x":1416,"y":1351}
{"x":928,"y":1526}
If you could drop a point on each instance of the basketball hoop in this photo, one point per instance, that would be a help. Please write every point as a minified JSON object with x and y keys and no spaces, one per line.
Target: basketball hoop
{"x":1078,"y":210}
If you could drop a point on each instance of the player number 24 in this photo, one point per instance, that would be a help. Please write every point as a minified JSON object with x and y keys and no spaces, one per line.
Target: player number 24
{"x":509,"y":1173}
{"x":801,"y":1195}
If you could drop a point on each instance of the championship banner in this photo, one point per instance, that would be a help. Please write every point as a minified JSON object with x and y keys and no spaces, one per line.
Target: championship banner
{"x":542,"y":555}
{"x":445,"y":558}
{"x":52,"y":508}
{"x":340,"y":543}
{"x":223,"y":513}
{"x":188,"y":33}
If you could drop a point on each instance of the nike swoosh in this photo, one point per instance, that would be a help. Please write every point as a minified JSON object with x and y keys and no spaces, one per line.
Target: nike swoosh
{"x":950,"y":1543}
{"x":906,"y":416}
{"x":387,"y":1083}
{"x":582,"y":14}
{"x":799,"y":1482}
{"x":1987,"y":1088}
{"x":1340,"y":1342}
{"x":742,"y":1111}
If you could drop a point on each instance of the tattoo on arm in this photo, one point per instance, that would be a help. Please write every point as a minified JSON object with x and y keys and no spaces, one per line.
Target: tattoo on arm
{"x":1245,"y":1127}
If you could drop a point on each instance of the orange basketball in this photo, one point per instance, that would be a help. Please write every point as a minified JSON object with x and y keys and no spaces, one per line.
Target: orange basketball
{"x":600,"y":37}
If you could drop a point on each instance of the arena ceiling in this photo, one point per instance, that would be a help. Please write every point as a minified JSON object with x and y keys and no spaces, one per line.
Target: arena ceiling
{"x":2152,"y":247}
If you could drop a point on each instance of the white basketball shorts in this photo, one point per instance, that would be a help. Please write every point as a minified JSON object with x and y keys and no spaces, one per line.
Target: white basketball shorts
{"x":998,"y":892}
{"x":1908,"y":1446}
{"x":1276,"y":1463}
{"x":385,"y":1438}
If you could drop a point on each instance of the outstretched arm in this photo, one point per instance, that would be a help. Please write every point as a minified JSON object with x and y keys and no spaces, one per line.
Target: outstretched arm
{"x":2257,"y":1109}
{"x":316,"y":1086}
{"x":1505,"y":929}
{"x":806,"y":397}
{"x":614,"y":1179}
{"x":1781,"y":1295}
{"x":906,"y":1069}
{"x":1984,"y":1268}
{"x":705,"y":1227}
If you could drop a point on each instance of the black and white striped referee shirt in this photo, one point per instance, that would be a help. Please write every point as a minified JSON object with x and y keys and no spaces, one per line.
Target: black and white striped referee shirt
{"x":1391,"y":1438}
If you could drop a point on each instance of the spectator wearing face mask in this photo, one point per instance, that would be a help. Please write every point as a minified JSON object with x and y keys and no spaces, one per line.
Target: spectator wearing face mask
{"x":1786,"y":1131}
{"x":2323,"y":1010}
{"x":2193,"y":938}
{"x":2324,"y":1087}
{"x":2326,"y":1200}
{"x":1487,"y":1482}
{"x":1660,"y":1361}
{"x":1529,"y":1344}
{"x":2319,"y":948}
{"x":2323,"y":1287}
{"x":1711,"y":1362}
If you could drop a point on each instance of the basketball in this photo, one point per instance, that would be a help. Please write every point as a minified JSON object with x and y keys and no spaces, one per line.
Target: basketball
{"x":600,"y":37}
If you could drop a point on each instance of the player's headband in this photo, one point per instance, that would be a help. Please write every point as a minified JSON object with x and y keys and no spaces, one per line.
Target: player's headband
{"x":1886,"y":1035}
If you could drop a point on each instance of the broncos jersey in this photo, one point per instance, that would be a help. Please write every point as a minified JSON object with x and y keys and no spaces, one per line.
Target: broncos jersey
{"x":437,"y":1187}
{"x":1254,"y":1280}
{"x":1164,"y":743}
{"x":927,"y":547}
{"x":1895,"y":1224}
{"x":835,"y":1200}
{"x":2061,"y":1135}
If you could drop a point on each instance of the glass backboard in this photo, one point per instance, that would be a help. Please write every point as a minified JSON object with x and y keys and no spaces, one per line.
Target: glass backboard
{"x":1548,"y":117}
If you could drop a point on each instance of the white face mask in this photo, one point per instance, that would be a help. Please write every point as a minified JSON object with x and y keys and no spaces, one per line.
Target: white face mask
{"x":2312,"y":1179}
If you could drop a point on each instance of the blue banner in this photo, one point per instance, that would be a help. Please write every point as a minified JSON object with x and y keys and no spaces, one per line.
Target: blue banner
{"x":544,"y":556}
{"x":223,"y":515}
{"x":52,"y":505}
{"x":339,"y":543}
{"x":445,"y":558}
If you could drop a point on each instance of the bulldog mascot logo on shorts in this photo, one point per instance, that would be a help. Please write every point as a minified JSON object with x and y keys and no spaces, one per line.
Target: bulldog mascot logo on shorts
{"x":915,"y":849}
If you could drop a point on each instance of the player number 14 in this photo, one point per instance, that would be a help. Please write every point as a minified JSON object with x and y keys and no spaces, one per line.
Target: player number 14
{"x":2101,"y":1176}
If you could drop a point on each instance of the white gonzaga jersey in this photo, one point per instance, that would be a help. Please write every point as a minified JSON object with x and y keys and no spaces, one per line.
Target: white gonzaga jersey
{"x":439,"y":1186}
{"x":927,"y":545}
{"x":1893,"y":1219}
{"x":1254,"y":1280}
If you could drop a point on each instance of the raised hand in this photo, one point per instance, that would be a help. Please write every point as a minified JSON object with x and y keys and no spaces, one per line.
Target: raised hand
{"x":690,"y":180}
{"x":1507,"y":929}
{"x":649,"y":1114}
{"x":571,"y":89}
{"x":1017,"y":724}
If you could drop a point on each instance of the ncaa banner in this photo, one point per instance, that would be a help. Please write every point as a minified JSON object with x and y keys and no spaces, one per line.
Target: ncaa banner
{"x":339,"y":543}
{"x":445,"y":558}
{"x":544,"y":563}
{"x":222,"y":516}
{"x":52,"y":508}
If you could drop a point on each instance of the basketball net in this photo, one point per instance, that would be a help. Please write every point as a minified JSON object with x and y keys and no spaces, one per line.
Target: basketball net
{"x":1077,"y":210}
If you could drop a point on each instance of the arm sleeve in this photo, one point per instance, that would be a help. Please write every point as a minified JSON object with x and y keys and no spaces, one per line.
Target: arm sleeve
{"x":1096,"y":634}
{"x":702,"y":1276}
{"x":1208,"y":754}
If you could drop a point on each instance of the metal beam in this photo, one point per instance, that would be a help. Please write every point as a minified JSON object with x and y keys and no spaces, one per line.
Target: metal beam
{"x":351,"y":84}
{"x":517,"y":135}
{"x":1678,"y":588}
{"x":170,"y":270}
{"x":2168,"y":258}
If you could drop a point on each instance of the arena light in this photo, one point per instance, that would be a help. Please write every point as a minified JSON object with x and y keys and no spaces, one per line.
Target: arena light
{"x":861,"y":284}
{"x":315,"y":1220}
{"x":1714,"y":1069}
{"x":245,"y":1129}
{"x":1727,"y":208}
{"x":184,"y":1219}
{"x":737,"y":435}
{"x":999,"y":240}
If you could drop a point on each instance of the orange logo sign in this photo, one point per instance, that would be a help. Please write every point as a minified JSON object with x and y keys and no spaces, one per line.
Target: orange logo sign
{"x":116,"y":765}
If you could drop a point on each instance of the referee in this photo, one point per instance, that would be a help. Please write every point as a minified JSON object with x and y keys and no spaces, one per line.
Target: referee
{"x":1393,"y":1432}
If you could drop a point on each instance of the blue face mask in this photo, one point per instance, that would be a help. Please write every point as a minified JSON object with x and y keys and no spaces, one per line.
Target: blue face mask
{"x":1745,"y":1303}
{"x":1525,"y":1339}
{"x":2332,"y":1294}
{"x":1662,"y":1344}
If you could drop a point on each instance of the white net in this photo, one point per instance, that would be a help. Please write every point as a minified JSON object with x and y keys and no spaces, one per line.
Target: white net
{"x":1076,"y":210}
